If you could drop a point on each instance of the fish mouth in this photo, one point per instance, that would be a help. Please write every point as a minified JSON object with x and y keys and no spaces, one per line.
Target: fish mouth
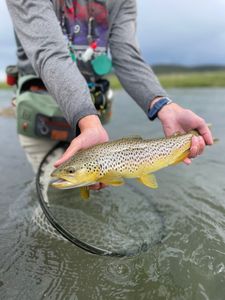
{"x":64,"y":184}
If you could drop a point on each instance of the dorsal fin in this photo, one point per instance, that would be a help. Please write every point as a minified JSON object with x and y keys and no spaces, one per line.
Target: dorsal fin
{"x":177,"y":133}
{"x":134,"y":137}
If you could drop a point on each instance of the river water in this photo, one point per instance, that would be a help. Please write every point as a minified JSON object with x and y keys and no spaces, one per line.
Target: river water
{"x":189,"y":261}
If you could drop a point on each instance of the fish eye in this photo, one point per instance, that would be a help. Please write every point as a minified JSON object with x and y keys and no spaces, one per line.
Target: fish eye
{"x":71,"y":170}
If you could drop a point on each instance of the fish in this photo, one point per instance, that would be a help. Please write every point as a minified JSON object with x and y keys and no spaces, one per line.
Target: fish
{"x":129,"y":157}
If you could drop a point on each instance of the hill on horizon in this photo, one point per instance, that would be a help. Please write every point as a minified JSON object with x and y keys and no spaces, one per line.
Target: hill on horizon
{"x":173,"y":68}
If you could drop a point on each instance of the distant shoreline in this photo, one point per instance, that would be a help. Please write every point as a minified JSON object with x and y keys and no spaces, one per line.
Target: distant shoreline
{"x":176,"y":78}
{"x":184,"y":80}
{"x":4,"y":86}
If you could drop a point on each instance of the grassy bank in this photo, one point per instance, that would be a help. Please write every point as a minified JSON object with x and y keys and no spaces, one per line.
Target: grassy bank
{"x":195,"y":79}
{"x":176,"y":79}
{"x":185,"y":80}
{"x":3,"y":85}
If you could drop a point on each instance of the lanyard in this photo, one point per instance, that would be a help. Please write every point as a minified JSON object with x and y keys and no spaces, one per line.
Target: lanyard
{"x":67,"y":30}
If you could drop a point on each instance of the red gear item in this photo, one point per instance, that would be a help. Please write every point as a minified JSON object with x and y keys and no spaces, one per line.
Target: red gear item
{"x":11,"y":79}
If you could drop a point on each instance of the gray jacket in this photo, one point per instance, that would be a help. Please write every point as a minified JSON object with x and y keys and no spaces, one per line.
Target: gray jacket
{"x":38,"y":29}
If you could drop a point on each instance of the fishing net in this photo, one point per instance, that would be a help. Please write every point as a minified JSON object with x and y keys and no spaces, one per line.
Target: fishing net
{"x":114,"y":221}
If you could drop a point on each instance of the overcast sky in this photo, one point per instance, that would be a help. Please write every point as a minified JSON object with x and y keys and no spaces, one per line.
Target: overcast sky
{"x":169,"y":31}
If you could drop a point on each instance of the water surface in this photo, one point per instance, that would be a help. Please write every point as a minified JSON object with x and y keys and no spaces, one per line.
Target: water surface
{"x":189,"y":262}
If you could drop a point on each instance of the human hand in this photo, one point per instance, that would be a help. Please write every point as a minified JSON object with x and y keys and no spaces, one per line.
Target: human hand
{"x":174,"y":119}
{"x":92,"y":133}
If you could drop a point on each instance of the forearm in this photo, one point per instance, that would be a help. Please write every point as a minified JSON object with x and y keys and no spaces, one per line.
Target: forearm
{"x":39,"y":32}
{"x":135,"y":74}
{"x":137,"y":78}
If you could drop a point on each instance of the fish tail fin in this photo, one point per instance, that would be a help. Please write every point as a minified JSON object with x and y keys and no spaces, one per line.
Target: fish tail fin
{"x":215,"y":140}
{"x":194,"y":132}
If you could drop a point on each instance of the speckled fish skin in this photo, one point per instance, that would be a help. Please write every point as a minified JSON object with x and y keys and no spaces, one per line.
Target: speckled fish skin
{"x":125,"y":158}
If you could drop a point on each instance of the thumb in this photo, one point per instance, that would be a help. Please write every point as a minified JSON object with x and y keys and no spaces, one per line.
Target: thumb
{"x":171,"y":130}
{"x":74,"y":147}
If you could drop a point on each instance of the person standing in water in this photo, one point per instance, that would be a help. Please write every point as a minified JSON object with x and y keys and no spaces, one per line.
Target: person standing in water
{"x":65,"y":43}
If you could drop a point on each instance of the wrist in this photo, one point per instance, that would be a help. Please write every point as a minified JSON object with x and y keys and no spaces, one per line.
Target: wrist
{"x":157,"y":104}
{"x":90,"y":121}
{"x":91,"y":127}
{"x":154,"y":100}
{"x":168,"y":110}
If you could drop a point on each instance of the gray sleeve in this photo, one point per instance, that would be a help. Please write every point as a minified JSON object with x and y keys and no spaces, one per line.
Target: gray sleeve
{"x":23,"y":63}
{"x":40,"y":34}
{"x":135,"y":75}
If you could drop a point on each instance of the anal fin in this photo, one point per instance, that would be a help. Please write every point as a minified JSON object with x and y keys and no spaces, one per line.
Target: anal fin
{"x":148,"y":180}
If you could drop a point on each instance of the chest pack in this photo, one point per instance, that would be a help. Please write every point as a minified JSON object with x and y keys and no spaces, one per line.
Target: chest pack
{"x":85,"y":24}
{"x":38,"y":114}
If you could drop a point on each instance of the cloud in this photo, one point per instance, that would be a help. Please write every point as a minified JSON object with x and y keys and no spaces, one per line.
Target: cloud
{"x":2,"y":76}
{"x":7,"y":43}
{"x":6,"y":29}
{"x":169,"y":31}
{"x":189,"y":32}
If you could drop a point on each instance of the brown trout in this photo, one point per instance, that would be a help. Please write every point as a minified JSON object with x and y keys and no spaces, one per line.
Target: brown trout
{"x":131,"y":157}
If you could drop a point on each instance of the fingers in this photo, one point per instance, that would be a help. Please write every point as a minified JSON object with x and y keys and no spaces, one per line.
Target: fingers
{"x":187,"y":161}
{"x":182,"y":120}
{"x":197,"y":146}
{"x":205,"y":132}
{"x":97,"y":186}
{"x":71,"y":150}
{"x":194,"y":147}
{"x":201,"y":145}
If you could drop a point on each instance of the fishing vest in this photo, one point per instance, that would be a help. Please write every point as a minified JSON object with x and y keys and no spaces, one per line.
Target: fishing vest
{"x":85,"y":25}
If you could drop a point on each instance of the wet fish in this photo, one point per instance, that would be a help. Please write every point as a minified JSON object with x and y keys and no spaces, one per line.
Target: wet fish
{"x":131,"y":157}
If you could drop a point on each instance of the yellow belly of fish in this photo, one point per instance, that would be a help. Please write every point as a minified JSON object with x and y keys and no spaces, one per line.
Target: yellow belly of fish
{"x":144,"y":173}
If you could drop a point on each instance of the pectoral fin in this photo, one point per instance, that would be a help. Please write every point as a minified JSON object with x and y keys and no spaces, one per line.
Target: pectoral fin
{"x":110,"y":180}
{"x":149,"y":180}
{"x":84,"y":193}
